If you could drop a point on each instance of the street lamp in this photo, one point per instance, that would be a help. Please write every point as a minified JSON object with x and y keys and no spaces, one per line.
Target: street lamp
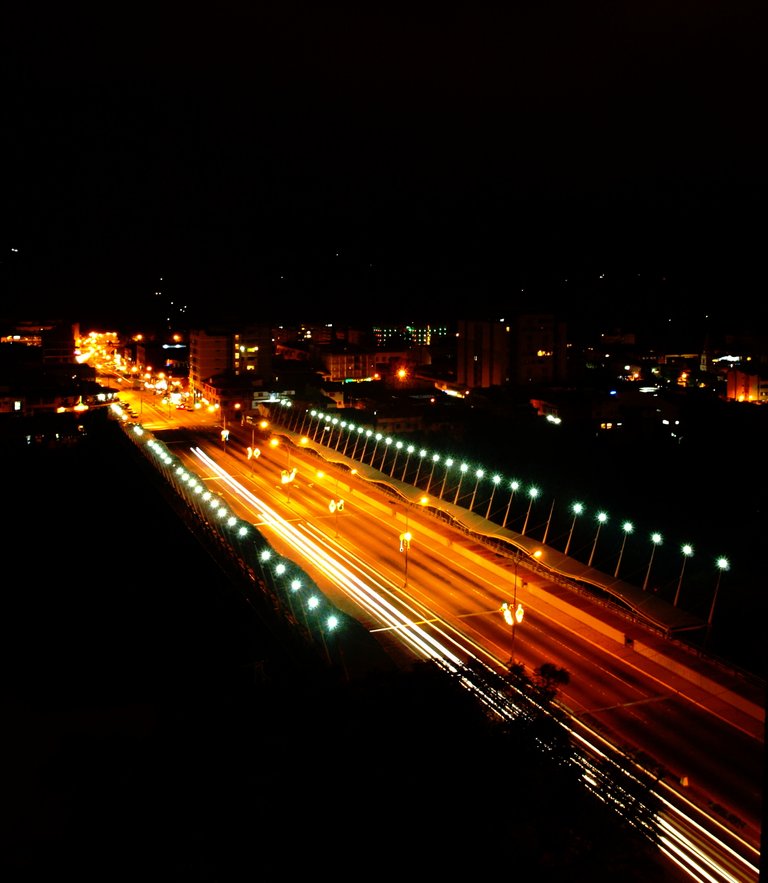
{"x":479,"y":473}
{"x":463,"y":468}
{"x":495,"y":479}
{"x":549,"y":521}
{"x":687,"y":552}
{"x":722,"y":564}
{"x":388,"y":442}
{"x":350,"y":430}
{"x":368,"y":434}
{"x":409,"y":450}
{"x":577,"y":509}
{"x":601,"y":519}
{"x":360,"y":431}
{"x":513,"y":486}
{"x":398,"y":447}
{"x":334,"y":507}
{"x":532,"y":493}
{"x":627,"y":527}
{"x":379,"y":437}
{"x":435,"y":461}
{"x":448,"y":464}
{"x":422,"y":455}
{"x":513,"y":615}
{"x":405,"y":545}
{"x":655,"y":539}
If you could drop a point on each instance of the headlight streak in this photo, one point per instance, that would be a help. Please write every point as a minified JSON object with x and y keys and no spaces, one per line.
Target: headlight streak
{"x":425,"y":643}
{"x":420,"y":614}
{"x":671,"y":841}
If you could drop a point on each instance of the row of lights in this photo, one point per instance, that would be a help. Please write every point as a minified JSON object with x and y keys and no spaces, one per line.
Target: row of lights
{"x":193,"y":484}
{"x":357,"y":432}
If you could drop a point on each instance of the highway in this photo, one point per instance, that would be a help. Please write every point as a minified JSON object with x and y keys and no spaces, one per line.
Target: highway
{"x":449,"y":592}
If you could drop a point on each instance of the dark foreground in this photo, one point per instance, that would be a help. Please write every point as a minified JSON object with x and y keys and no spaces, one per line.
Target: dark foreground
{"x":156,"y":727}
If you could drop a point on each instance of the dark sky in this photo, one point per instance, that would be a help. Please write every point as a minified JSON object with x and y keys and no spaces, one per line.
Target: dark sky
{"x":344,"y":159}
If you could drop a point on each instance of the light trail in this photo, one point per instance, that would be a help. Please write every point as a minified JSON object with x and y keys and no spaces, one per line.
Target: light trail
{"x":363,"y":593}
{"x":704,"y":860}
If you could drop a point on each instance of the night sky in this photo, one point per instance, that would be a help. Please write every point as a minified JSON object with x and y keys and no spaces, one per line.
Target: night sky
{"x":347,"y":161}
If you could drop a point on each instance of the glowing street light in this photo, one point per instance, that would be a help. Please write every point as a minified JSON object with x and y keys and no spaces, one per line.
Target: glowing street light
{"x":448,"y":464}
{"x":378,"y":437}
{"x":360,"y":432}
{"x":350,"y":430}
{"x":532,"y":493}
{"x":627,"y":527}
{"x":398,"y":447}
{"x":422,"y":455}
{"x":656,"y":540}
{"x":722,"y":564}
{"x":463,"y":468}
{"x":387,"y":442}
{"x":405,"y":545}
{"x":495,"y":479}
{"x":435,"y":461}
{"x":513,"y":486}
{"x":577,"y":509}
{"x":687,"y":552}
{"x":601,"y":519}
{"x":368,"y":434}
{"x":409,"y":450}
{"x":479,"y":473}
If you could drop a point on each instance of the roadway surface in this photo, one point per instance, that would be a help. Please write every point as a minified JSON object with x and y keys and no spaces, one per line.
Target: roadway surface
{"x":672,"y":705}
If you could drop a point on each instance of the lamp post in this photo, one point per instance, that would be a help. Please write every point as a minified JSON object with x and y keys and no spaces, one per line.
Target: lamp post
{"x":398,"y":447}
{"x":368,"y":434}
{"x":360,"y":432}
{"x":577,"y":509}
{"x":350,"y":430}
{"x":687,"y":551}
{"x":601,"y":519}
{"x":405,"y":545}
{"x":513,"y":486}
{"x":334,"y":507}
{"x":387,"y":442}
{"x":549,"y":521}
{"x":435,"y":461}
{"x":495,"y":479}
{"x":463,"y":468}
{"x":532,"y":493}
{"x":422,"y":455}
{"x":342,"y":425}
{"x":514,"y":614}
{"x":479,"y":473}
{"x":627,"y":527}
{"x":655,"y":539}
{"x":448,"y":464}
{"x":409,"y":450}
{"x":722,"y":564}
{"x":378,"y":438}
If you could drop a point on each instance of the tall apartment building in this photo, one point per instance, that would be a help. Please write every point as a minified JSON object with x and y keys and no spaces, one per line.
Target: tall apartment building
{"x":227,"y":364}
{"x":531,"y":348}
{"x":482,"y":353}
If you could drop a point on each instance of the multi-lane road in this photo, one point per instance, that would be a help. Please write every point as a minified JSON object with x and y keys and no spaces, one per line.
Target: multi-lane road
{"x":451,"y":589}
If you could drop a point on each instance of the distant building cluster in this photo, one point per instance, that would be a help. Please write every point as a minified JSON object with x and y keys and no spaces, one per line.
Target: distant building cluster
{"x":401,"y":378}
